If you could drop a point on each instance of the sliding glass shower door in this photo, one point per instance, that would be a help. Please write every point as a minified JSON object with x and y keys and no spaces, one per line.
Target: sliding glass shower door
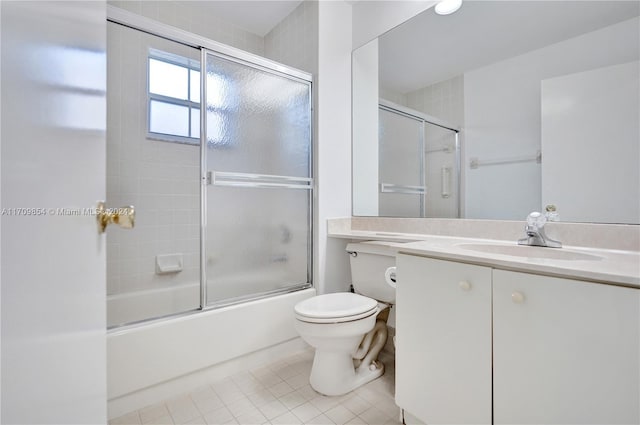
{"x":419,"y":165}
{"x":400,"y":164}
{"x":258,"y":192}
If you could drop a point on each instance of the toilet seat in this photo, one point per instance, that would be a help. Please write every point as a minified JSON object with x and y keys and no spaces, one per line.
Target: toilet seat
{"x":335,"y":308}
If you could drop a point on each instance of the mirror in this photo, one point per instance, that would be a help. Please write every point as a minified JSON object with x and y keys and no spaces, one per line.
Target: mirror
{"x":545,"y":98}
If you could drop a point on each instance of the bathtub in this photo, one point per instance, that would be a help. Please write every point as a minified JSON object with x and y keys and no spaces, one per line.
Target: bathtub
{"x":131,"y":307}
{"x":157,"y":360}
{"x":135,"y":306}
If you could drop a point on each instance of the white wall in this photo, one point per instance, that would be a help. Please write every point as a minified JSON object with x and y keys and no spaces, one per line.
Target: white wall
{"x":333,"y":144}
{"x":365,"y":130}
{"x":503,"y":119}
{"x":591,"y":144}
{"x":372,"y":18}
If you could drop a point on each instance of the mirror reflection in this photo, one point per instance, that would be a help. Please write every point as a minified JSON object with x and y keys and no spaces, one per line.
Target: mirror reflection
{"x":500,"y":109}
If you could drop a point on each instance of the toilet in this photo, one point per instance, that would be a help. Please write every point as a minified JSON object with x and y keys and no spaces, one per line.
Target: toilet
{"x":347,"y":329}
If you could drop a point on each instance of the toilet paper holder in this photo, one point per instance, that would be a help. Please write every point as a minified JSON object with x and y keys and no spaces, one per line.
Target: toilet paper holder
{"x":390,"y":276}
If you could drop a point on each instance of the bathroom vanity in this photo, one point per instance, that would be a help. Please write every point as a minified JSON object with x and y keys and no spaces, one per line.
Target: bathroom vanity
{"x":491,"y":332}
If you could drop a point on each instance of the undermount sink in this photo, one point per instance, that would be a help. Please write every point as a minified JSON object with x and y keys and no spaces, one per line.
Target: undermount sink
{"x":531,"y":252}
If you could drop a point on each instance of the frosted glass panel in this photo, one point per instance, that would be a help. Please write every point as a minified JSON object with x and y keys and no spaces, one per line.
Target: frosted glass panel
{"x":257,"y":122}
{"x":400,"y":163}
{"x":258,"y":237}
{"x":257,"y":241}
{"x":167,"y":118}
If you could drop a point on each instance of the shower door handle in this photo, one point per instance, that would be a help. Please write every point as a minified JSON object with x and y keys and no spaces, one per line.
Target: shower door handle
{"x":124,"y":217}
{"x":225,"y":178}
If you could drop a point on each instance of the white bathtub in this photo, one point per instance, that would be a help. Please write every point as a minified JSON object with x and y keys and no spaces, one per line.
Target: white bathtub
{"x":136,"y":306}
{"x":130,"y":307}
{"x":158,"y":360}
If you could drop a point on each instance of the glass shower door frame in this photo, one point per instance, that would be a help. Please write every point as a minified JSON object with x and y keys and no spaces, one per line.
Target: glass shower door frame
{"x":421,"y":189}
{"x":427,"y":119}
{"x":208,"y":177}
{"x":137,"y":22}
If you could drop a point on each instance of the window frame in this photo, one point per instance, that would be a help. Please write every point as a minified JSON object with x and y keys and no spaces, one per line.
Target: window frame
{"x":190,"y":65}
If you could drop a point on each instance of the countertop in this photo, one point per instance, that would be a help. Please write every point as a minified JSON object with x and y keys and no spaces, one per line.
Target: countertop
{"x":598,"y":265}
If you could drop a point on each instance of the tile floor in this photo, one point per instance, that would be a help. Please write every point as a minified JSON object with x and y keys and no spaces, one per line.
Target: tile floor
{"x":277,"y":393}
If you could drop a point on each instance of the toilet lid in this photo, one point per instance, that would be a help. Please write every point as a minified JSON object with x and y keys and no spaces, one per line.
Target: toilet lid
{"x":341,"y":305}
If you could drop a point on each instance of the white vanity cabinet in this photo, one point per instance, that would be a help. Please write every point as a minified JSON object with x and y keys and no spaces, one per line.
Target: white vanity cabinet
{"x":564,"y":351}
{"x":443,"y":340}
{"x":477,"y":345}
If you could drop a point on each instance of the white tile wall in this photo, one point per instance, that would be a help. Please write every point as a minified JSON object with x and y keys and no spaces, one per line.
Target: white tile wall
{"x":392,"y":96}
{"x":294,"y":41}
{"x":444,"y":100}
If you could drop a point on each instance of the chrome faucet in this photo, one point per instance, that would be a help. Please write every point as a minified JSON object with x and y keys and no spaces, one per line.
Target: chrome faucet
{"x":535,"y":232}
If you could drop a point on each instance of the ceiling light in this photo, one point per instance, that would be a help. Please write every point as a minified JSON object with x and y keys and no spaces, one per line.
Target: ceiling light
{"x":447,"y":7}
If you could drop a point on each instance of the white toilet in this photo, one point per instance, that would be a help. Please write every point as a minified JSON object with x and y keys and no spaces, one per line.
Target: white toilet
{"x":344,"y":327}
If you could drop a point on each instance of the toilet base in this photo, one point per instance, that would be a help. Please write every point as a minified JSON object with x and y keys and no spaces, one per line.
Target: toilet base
{"x":334,"y":374}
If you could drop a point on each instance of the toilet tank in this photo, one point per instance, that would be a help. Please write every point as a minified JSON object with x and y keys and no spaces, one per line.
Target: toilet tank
{"x":369,"y":261}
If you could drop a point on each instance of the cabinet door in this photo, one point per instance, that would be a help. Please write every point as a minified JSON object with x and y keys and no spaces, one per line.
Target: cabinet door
{"x":443,"y":343}
{"x":565,"y":351}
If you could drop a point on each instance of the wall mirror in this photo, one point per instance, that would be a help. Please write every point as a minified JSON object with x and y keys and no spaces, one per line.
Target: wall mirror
{"x":500,"y":109}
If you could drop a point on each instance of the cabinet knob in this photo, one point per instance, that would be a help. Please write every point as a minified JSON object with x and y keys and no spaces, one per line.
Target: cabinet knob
{"x":464,"y":285}
{"x":517,"y":297}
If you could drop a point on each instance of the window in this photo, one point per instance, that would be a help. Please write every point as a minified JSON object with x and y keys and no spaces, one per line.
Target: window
{"x":174,"y":97}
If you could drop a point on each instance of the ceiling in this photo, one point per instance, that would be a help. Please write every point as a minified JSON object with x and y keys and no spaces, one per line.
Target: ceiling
{"x":256,"y":16}
{"x":430,"y":48}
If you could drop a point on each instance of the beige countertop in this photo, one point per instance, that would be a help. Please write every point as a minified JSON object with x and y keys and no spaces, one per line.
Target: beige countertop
{"x":599,"y":265}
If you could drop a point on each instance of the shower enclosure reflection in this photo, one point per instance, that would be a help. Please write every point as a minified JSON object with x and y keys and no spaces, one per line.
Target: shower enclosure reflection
{"x":418,"y":164}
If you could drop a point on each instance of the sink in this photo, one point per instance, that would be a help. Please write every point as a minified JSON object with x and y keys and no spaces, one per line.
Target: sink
{"x":531,"y":252}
